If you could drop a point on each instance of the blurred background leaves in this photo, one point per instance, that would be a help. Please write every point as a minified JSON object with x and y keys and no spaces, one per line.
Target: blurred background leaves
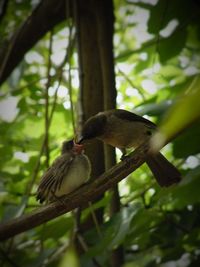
{"x":157,"y":61}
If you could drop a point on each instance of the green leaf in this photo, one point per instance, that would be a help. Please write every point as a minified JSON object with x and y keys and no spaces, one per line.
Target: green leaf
{"x":172,"y":46}
{"x":184,"y":194}
{"x":56,"y":228}
{"x":154,"y":109}
{"x":187,"y":143}
{"x":113,"y":232}
{"x":70,"y":259}
{"x":121,"y":227}
{"x":164,"y":11}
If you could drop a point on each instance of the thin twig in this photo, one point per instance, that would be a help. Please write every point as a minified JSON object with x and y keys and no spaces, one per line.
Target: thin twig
{"x":37,"y":165}
{"x":131,"y":199}
{"x":56,"y":254}
{"x":95,"y":220}
{"x":48,"y":83}
{"x":70,"y":48}
{"x":80,"y":63}
{"x":131,"y":83}
{"x":70,"y":83}
{"x":8,"y":52}
{"x":86,"y":248}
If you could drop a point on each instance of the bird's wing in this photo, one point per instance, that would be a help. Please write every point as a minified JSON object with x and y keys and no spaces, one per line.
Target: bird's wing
{"x":129,"y":116}
{"x":52,"y":179}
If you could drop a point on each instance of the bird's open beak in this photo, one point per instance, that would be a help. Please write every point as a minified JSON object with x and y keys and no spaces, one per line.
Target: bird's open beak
{"x":78,"y":148}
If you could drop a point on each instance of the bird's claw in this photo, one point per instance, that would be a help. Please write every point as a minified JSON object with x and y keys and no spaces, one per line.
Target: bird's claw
{"x":124,"y":157}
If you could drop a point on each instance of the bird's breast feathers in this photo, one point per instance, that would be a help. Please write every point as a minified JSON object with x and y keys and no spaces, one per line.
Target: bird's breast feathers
{"x":65,"y":175}
{"x":78,"y":173}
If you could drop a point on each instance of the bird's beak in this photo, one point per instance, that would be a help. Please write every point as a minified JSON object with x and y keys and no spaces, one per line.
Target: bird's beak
{"x":78,"y":148}
{"x":80,"y":141}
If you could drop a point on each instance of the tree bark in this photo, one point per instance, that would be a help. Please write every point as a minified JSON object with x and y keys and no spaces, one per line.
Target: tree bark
{"x":105,"y":22}
{"x":91,"y":85}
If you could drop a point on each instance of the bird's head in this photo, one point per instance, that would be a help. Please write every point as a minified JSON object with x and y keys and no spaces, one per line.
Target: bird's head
{"x":67,"y":146}
{"x":71,"y":145}
{"x":93,"y":128}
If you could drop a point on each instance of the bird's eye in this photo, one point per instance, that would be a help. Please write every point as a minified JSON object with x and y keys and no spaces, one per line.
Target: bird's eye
{"x":149,"y":133}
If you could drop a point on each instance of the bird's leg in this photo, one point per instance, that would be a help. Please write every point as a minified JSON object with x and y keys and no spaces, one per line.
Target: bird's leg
{"x":58,"y":198}
{"x":125,"y":157}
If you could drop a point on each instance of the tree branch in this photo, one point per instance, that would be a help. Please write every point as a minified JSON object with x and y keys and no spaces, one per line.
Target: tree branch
{"x":45,"y":16}
{"x":79,"y":197}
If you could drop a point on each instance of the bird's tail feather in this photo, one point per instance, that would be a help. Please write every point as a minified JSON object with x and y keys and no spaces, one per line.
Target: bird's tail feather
{"x":165,"y":172}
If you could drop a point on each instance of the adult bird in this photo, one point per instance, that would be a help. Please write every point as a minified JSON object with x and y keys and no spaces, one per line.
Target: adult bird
{"x":124,"y":129}
{"x":69,"y":171}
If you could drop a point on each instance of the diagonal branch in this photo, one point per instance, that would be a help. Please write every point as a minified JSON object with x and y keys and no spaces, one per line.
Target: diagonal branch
{"x":84,"y":194}
{"x":46,"y":15}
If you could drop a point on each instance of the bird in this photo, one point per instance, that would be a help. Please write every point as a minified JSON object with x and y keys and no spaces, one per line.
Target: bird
{"x":69,"y":171}
{"x":124,"y":129}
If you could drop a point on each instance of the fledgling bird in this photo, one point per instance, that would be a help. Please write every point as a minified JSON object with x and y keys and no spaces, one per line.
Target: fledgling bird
{"x":124,"y":129}
{"x":69,"y":171}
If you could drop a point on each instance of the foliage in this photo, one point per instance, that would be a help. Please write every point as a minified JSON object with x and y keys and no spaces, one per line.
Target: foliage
{"x":157,"y":52}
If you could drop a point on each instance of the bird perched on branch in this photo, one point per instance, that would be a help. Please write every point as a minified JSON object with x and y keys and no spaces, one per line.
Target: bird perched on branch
{"x":69,"y":171}
{"x":124,"y":129}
